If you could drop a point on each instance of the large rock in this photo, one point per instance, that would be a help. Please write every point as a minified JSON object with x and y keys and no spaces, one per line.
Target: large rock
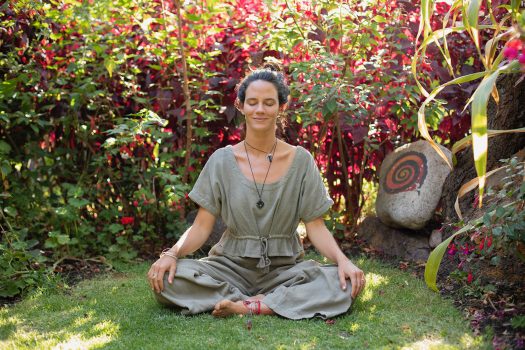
{"x":404,"y":244}
{"x":410,"y":184}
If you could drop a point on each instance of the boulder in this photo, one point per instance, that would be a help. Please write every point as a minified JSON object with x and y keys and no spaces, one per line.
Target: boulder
{"x":400,"y":243}
{"x":410,"y":183}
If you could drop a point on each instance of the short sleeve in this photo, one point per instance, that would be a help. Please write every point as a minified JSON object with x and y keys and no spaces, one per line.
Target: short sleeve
{"x":207,"y":190}
{"x":314,"y":197}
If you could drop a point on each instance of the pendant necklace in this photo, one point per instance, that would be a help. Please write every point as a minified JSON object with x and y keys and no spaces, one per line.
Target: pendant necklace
{"x":269,"y":156}
{"x":260,"y":203}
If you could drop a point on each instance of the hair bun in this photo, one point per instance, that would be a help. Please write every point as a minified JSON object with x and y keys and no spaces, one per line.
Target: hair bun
{"x":273,"y":65}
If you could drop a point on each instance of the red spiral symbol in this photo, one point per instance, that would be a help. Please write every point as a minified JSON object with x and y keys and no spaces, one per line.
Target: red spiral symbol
{"x":407,"y":173}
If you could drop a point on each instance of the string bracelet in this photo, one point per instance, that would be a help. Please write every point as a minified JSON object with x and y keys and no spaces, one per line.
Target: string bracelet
{"x":169,"y":253}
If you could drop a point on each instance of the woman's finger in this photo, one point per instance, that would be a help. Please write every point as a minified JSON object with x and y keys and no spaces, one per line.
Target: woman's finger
{"x":342,"y":278}
{"x":362,"y":282}
{"x":157,"y":278}
{"x":355,"y":286}
{"x":150,"y":278}
{"x":173,"y":268}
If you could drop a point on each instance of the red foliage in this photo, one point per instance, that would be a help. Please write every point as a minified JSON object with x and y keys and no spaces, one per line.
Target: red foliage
{"x":239,"y":39}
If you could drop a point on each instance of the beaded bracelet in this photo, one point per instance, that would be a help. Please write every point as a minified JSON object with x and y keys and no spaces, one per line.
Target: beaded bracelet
{"x":167,"y":252}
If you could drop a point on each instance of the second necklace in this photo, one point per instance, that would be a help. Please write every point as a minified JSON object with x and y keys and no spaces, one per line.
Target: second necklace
{"x":260,"y":202}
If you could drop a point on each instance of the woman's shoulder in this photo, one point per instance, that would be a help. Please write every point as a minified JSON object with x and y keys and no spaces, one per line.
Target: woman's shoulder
{"x":220,"y":153}
{"x":304,"y":156}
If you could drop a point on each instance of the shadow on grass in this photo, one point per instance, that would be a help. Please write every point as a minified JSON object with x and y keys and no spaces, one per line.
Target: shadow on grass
{"x":396,"y":311}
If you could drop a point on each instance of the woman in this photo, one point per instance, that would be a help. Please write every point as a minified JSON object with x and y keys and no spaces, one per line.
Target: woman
{"x":262,"y":188}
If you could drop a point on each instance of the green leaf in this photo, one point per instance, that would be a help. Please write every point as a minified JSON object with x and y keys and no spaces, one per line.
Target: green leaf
{"x":12,"y":212}
{"x":78,"y":203}
{"x":330,"y":107}
{"x":110,"y":65}
{"x":62,"y":239}
{"x":379,"y":19}
{"x":5,"y":168}
{"x":473,"y":13}
{"x":192,"y":17}
{"x":5,"y":148}
{"x":9,"y":289}
{"x":114,"y":228}
{"x":434,"y":260}
{"x":500,"y":212}
{"x":479,"y":125}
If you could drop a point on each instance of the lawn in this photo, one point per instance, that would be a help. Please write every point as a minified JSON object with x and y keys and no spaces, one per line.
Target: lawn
{"x":117,"y":311}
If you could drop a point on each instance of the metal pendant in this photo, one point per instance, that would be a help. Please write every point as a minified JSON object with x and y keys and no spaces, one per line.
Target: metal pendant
{"x":260,"y":204}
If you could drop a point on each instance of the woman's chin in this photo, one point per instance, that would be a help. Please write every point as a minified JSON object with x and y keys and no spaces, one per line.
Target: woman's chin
{"x":262,"y":127}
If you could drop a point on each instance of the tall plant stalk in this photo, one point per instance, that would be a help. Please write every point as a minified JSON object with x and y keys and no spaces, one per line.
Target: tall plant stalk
{"x":187,"y":102}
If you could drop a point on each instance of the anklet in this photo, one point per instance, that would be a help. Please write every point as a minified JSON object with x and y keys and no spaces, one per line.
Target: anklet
{"x":252,"y":310}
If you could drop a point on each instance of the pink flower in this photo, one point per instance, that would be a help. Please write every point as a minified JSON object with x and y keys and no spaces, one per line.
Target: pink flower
{"x":512,"y":49}
{"x":470,"y":277}
{"x":521,"y":58}
{"x":135,"y":203}
{"x":510,"y":52}
{"x":452,"y":250}
{"x":127,"y":220}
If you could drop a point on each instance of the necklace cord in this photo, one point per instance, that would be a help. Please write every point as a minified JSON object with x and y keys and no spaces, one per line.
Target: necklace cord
{"x":260,"y":150}
{"x":259,"y":194}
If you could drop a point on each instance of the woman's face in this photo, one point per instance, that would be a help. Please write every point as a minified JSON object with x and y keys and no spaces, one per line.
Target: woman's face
{"x":261,"y":106}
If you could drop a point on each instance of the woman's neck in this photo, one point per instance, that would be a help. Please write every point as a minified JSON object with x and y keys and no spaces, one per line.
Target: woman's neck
{"x":263,"y":142}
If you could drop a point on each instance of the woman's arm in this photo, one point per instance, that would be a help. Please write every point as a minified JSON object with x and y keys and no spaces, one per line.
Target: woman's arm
{"x":325,"y":243}
{"x":194,"y":237}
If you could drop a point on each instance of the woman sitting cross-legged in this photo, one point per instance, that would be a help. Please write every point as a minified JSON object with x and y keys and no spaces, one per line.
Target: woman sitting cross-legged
{"x":262,"y":187}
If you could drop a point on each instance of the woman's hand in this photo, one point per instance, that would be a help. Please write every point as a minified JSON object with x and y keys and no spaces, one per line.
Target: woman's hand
{"x":158,"y":269}
{"x":323,"y":240}
{"x":191,"y":240}
{"x":347,"y":270}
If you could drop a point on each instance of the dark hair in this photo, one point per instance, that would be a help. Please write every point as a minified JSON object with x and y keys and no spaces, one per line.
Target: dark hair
{"x":270,"y":72}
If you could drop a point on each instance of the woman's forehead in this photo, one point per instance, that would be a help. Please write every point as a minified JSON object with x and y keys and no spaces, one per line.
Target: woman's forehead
{"x":261,"y":88}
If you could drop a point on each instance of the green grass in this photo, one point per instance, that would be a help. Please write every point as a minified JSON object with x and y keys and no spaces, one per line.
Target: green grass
{"x":118,"y":311}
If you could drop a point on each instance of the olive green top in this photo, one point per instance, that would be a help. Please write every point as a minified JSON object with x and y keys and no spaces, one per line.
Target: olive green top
{"x":271,"y":231}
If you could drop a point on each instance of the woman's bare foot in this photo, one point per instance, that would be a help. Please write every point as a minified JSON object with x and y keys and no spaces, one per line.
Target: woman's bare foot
{"x":252,"y":305}
{"x":227,"y":308}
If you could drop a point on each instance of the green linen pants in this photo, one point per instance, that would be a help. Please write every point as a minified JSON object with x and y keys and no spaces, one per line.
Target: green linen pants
{"x":293,"y":289}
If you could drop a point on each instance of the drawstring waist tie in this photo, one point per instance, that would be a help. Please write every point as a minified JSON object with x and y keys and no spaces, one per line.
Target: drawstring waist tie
{"x":264,"y":261}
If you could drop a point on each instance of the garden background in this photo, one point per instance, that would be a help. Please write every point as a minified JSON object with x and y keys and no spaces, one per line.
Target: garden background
{"x":109,"y":109}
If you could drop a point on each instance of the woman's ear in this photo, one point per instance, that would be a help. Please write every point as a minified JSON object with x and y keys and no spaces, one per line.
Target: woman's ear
{"x":239,"y":106}
{"x":283,"y":107}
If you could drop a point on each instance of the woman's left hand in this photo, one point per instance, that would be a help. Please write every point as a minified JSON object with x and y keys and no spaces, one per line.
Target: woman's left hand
{"x":347,"y":270}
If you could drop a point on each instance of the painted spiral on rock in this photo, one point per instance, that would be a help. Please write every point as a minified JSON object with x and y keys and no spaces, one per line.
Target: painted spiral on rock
{"x":407,"y":173}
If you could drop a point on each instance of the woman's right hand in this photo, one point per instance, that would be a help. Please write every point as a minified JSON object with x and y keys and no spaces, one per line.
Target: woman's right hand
{"x":158,"y":269}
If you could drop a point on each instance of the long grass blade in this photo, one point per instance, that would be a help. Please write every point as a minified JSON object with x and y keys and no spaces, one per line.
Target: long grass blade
{"x":435,"y":257}
{"x":469,"y":186}
{"x":432,"y":37}
{"x":421,"y":121}
{"x":467,"y":140}
{"x":479,"y":125}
